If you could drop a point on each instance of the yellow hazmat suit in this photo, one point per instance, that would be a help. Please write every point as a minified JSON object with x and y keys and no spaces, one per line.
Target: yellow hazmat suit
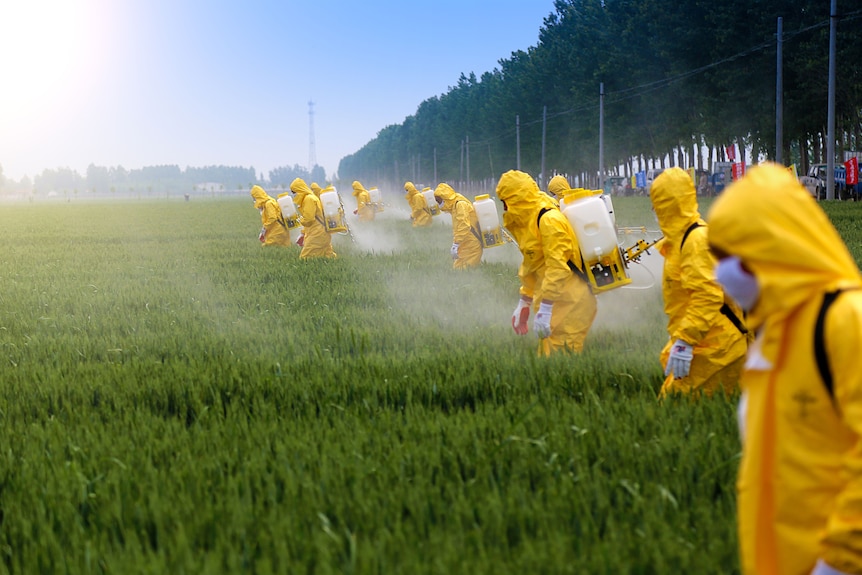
{"x":317,"y":242}
{"x":316,"y":189}
{"x":364,"y":209}
{"x":693,"y":301}
{"x":275,"y":232}
{"x":420,"y":215}
{"x":557,"y":186}
{"x":466,"y":247}
{"x":548,"y":245}
{"x":800,"y":479}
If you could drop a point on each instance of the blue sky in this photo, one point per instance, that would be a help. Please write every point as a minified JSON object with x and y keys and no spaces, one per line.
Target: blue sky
{"x":203,"y":82}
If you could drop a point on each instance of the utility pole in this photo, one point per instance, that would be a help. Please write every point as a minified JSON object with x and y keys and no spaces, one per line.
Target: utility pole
{"x":779,"y":95}
{"x":312,"y":154}
{"x":467,"y":146}
{"x":830,"y":114}
{"x":518,"y":142}
{"x":601,"y":135}
{"x":544,"y":178}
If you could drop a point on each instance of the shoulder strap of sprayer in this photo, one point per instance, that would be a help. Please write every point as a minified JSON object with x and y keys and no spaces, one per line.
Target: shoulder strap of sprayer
{"x":725,"y":310}
{"x":578,"y":271}
{"x":820,"y":343}
{"x":472,"y":229}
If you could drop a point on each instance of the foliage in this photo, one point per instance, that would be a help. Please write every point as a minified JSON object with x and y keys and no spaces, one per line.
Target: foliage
{"x":676,"y":75}
{"x":175,"y":398}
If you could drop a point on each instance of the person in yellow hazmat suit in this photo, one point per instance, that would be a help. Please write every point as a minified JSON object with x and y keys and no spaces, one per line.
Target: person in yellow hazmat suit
{"x":551,"y":273}
{"x":799,"y":488}
{"x":364,"y":209}
{"x":466,"y":247}
{"x":274,"y":231}
{"x":558,"y":186}
{"x":420,"y":215}
{"x":708,"y":339}
{"x":315,"y":187}
{"x":316,"y":241}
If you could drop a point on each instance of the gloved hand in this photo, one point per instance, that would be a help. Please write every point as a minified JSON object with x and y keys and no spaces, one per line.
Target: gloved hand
{"x":679,"y":361}
{"x":300,"y":241}
{"x":521,"y":315}
{"x":542,"y":321}
{"x":262,"y":235}
{"x":454,"y":251}
{"x":823,"y":568}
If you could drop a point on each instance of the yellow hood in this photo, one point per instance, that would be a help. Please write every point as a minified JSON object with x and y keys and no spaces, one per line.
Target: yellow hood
{"x":770,"y":222}
{"x":674,"y":200}
{"x":357,"y":188}
{"x":259,"y":195}
{"x":449,"y":196}
{"x":300,"y":189}
{"x":557,"y":186}
{"x":522,"y":200}
{"x":316,"y":189}
{"x":410,"y":189}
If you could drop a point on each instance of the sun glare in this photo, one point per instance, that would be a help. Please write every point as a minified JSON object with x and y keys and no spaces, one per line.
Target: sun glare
{"x":45,"y":49}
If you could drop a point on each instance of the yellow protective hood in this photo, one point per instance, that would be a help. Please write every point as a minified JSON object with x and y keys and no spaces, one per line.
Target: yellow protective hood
{"x":449,"y":196}
{"x":357,"y":188}
{"x":557,"y":186}
{"x":770,"y":222}
{"x":674,"y":200}
{"x":300,"y":189}
{"x":522,"y":199}
{"x":259,"y":195}
{"x":410,"y":189}
{"x":316,"y":189}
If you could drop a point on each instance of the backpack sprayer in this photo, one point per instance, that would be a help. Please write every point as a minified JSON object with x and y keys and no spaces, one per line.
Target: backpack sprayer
{"x":333,"y":213}
{"x":491,"y":233}
{"x":376,"y":199}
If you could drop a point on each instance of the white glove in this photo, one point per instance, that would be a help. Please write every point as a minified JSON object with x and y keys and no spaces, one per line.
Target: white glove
{"x":521,"y":315}
{"x":822,"y":568}
{"x":454,"y":251}
{"x":679,"y":360}
{"x":542,"y":321}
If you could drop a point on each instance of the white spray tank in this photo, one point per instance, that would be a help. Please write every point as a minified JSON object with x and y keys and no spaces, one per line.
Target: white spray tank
{"x":288,"y":210}
{"x":333,"y":214}
{"x":376,"y":199}
{"x":604,"y":264}
{"x":609,"y":204}
{"x":489,"y":221}
{"x":428,"y":194}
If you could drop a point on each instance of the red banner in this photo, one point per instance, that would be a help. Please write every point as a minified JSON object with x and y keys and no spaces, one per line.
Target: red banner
{"x":738,"y":170}
{"x":851,"y":166}
{"x":731,"y":153}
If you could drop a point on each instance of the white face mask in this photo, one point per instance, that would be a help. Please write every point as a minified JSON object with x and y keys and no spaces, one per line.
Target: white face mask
{"x":737,"y":283}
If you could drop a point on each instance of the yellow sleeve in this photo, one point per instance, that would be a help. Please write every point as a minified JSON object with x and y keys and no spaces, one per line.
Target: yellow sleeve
{"x":558,"y":246}
{"x":705,"y":296}
{"x":842,"y":542}
{"x":461,"y":222}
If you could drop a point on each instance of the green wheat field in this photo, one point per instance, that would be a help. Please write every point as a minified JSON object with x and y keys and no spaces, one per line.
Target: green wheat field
{"x":176,"y":399}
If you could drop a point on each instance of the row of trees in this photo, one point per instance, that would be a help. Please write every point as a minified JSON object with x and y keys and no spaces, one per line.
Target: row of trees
{"x":157,"y":179}
{"x":679,"y":76}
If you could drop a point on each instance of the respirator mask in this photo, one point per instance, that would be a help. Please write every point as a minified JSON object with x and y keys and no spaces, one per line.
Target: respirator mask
{"x":737,"y":282}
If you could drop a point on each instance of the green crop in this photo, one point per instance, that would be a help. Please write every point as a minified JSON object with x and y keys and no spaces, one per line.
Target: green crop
{"x":176,"y":399}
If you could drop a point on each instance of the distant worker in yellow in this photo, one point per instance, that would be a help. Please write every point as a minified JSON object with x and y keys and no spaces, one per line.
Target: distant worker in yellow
{"x":315,"y":187}
{"x":274,"y":231}
{"x":316,"y":241}
{"x":707,"y":341}
{"x":552,"y":279}
{"x":364,"y":208}
{"x":799,"y":488}
{"x":420,"y":215}
{"x":557,"y":187}
{"x":466,"y":247}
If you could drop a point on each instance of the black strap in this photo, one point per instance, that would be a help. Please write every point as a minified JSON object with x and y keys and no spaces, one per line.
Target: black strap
{"x":690,"y":229}
{"x":728,"y":313}
{"x":820,"y":344}
{"x":725,"y":309}
{"x":572,"y":266}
